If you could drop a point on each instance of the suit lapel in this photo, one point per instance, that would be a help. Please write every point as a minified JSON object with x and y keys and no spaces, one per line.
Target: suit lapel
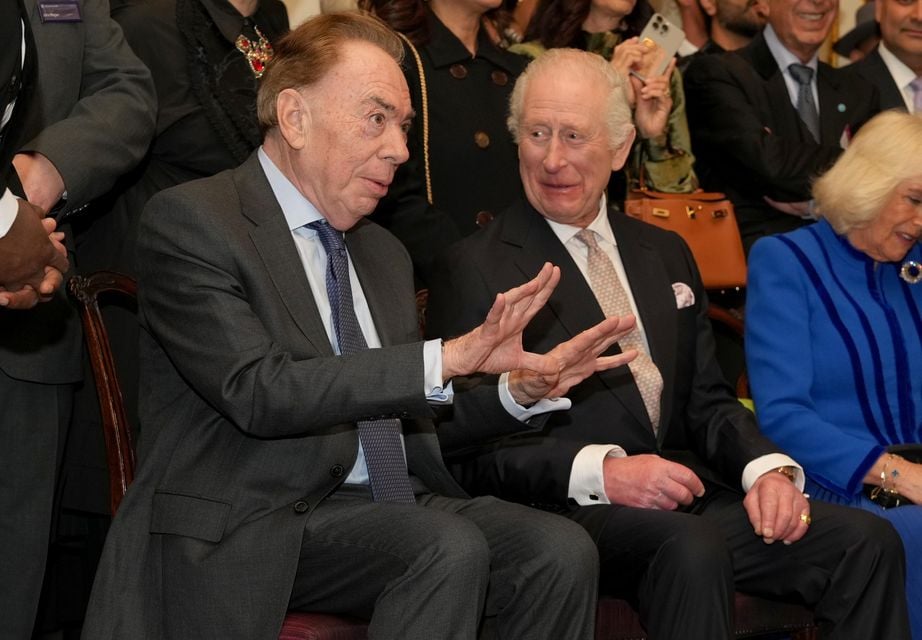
{"x":834,"y":106}
{"x":272,"y":240}
{"x":783,"y":115}
{"x":572,"y":303}
{"x":875,"y":70}
{"x":655,"y":300}
{"x":380,"y":292}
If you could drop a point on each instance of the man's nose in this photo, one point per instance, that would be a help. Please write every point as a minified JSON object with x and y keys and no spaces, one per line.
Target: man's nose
{"x":554,"y":158}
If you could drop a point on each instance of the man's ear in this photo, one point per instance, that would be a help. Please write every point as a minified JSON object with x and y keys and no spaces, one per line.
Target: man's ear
{"x":709,"y":7}
{"x":294,"y":118}
{"x":619,"y":155}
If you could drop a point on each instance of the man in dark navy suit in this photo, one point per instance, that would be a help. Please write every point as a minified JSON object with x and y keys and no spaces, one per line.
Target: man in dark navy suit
{"x":658,"y":461}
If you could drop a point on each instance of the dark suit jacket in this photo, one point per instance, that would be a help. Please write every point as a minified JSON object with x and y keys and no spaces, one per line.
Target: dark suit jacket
{"x":703,"y":425}
{"x":874,"y":71}
{"x":249,"y":417}
{"x":92,"y":115}
{"x":749,"y":141}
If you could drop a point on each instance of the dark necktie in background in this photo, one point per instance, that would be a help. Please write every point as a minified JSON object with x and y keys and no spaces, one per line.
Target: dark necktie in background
{"x":806,"y":105}
{"x":387,"y":469}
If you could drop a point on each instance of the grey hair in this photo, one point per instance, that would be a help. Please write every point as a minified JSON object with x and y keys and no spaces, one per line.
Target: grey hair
{"x":618,"y":118}
{"x":884,"y":153}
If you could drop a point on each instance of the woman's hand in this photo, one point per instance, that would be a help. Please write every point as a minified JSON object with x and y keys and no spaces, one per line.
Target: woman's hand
{"x":907,"y":481}
{"x":653,"y":103}
{"x":628,"y":56}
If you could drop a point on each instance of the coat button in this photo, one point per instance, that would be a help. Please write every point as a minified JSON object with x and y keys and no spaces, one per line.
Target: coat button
{"x":301,"y":506}
{"x":458,"y":71}
{"x":483,"y":218}
{"x":337,"y":470}
{"x":500,"y":78}
{"x":481,"y":139}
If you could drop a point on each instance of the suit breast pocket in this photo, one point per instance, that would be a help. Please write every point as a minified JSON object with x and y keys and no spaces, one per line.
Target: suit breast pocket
{"x":190,"y":516}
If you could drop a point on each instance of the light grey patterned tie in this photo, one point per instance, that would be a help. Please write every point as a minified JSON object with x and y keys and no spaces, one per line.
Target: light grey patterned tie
{"x":609,"y":291}
{"x":387,"y":469}
{"x":916,"y":86}
{"x":806,"y":105}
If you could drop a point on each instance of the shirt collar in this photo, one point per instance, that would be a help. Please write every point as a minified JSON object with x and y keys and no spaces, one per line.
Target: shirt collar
{"x":601,"y":225}
{"x":783,"y":56}
{"x":902,"y":74}
{"x":297,"y":209}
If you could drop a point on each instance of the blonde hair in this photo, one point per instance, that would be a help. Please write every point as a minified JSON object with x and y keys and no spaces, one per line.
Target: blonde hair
{"x":884,"y":153}
{"x":618,"y":118}
{"x":306,"y":55}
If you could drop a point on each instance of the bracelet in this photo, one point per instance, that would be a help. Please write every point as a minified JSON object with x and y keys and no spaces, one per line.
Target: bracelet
{"x":888,"y":479}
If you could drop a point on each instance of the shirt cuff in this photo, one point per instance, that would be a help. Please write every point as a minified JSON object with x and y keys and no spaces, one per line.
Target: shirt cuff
{"x":521,"y":413}
{"x":767,"y":463}
{"x":587,"y":479}
{"x":9,"y":207}
{"x":436,"y":391}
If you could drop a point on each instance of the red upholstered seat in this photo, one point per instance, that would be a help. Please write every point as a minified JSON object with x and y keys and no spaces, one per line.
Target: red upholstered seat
{"x":321,"y":626}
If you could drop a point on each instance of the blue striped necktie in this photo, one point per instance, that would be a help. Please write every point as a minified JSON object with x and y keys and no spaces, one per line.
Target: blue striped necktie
{"x":387,"y":469}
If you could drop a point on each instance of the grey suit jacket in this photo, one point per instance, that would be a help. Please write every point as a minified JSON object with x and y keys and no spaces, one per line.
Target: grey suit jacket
{"x":92,"y":114}
{"x":702,"y":424}
{"x":248,"y":415}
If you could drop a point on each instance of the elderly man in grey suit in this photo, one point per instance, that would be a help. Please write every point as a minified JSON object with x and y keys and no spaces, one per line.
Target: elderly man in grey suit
{"x":90,"y":119}
{"x":289,"y":457}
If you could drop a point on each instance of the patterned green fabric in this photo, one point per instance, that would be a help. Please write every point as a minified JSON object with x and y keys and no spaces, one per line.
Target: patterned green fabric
{"x":667,"y":162}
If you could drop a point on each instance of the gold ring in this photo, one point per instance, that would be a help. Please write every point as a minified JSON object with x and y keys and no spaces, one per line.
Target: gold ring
{"x":805,"y":518}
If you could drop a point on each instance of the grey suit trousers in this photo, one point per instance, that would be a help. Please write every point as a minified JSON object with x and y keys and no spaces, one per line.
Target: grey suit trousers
{"x":434,"y":569}
{"x":32,"y":430}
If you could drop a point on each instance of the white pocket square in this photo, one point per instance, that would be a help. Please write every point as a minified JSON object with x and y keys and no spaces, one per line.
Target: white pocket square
{"x":684,"y":296}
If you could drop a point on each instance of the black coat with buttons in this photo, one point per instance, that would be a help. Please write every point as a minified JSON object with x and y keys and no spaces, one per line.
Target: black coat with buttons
{"x":473,"y":162}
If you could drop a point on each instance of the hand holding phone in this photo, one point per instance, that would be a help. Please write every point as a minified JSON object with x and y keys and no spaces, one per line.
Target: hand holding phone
{"x":661,"y":40}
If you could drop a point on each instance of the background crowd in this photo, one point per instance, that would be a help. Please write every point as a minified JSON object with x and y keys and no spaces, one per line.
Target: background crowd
{"x":106,"y":104}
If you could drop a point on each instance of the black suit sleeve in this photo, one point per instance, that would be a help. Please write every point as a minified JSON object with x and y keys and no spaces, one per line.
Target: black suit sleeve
{"x":727,"y":101}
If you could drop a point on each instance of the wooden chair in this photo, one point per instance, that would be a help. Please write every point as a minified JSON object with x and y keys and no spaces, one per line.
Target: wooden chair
{"x":615,"y":620}
{"x":120,"y":457}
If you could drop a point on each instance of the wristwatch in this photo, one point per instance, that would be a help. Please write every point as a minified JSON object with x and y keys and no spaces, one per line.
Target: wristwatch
{"x":789,"y":472}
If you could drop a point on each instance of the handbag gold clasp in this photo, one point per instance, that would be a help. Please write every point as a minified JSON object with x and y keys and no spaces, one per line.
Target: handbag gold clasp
{"x":660,"y":213}
{"x":691,"y":212}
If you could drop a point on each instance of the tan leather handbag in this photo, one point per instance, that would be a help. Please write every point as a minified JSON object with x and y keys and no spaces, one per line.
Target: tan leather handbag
{"x":706,"y":222}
